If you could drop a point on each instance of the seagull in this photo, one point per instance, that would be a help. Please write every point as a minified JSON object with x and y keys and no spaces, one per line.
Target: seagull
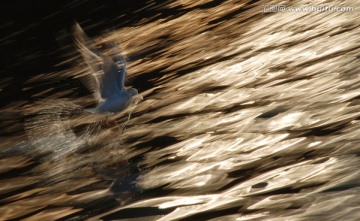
{"x":108,"y":75}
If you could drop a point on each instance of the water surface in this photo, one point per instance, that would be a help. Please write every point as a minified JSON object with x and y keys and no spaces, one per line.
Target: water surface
{"x":246,"y":116}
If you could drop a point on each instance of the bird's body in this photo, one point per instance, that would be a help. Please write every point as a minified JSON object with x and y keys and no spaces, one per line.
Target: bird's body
{"x":107,"y":77}
{"x":114,"y":104}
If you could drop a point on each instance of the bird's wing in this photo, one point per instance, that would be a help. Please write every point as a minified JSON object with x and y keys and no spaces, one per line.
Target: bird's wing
{"x":109,"y":84}
{"x":92,"y":59}
{"x":117,"y":62}
{"x":109,"y":71}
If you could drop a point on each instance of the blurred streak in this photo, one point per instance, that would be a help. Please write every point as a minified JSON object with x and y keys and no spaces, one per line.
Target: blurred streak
{"x":249,"y":113}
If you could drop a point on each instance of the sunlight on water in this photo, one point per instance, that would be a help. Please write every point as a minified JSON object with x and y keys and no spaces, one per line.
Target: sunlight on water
{"x":243,"y":110}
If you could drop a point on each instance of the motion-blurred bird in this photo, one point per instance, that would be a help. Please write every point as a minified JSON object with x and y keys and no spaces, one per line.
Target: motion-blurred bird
{"x":108,"y":75}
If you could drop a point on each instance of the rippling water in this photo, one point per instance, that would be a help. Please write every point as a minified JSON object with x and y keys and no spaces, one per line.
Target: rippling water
{"x":246,"y":116}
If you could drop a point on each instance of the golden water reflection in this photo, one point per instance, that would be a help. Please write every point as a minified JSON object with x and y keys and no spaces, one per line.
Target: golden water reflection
{"x":262,"y":108}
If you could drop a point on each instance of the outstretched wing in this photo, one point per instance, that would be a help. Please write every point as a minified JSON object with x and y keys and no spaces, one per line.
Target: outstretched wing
{"x":110,"y":81}
{"x":92,"y":59}
{"x":108,"y":70}
{"x":117,"y":62}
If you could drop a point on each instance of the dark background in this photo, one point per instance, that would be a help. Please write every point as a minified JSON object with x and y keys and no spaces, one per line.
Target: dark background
{"x":36,"y":35}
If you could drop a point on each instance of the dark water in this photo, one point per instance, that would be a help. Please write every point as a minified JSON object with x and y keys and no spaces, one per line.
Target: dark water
{"x":246,"y":116}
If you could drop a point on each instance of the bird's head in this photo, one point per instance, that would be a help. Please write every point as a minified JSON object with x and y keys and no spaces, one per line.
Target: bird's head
{"x":134,"y":95}
{"x":132,"y":91}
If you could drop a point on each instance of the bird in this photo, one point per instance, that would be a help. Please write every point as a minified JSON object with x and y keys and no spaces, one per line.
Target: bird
{"x":108,"y":72}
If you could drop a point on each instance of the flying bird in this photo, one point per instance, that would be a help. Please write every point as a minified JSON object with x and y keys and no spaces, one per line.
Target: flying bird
{"x":108,"y":72}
